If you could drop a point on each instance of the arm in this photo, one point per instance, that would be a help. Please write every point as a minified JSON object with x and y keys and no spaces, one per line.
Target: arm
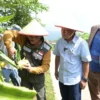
{"x":44,"y":67}
{"x":57,"y":60}
{"x":85,"y":69}
{"x":85,"y":66}
{"x":12,"y":35}
{"x":85,"y":58}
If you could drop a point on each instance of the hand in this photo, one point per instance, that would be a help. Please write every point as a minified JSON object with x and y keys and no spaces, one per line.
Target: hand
{"x":29,"y":69}
{"x":57,"y":74}
{"x":83,"y":84}
{"x":11,"y":51}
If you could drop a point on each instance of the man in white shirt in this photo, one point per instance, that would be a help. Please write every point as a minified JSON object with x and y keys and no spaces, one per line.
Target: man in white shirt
{"x":71,"y":63}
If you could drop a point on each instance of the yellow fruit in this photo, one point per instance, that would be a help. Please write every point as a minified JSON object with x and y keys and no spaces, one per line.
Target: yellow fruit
{"x":2,"y":64}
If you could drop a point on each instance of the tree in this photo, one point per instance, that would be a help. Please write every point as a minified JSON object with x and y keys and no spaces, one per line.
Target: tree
{"x":22,"y":9}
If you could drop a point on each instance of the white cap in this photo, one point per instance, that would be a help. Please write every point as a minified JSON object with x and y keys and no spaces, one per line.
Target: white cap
{"x":15,"y":27}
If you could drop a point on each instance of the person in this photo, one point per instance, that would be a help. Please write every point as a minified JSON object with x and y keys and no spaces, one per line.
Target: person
{"x":8,"y":71}
{"x":34,"y":49}
{"x":72,"y":59}
{"x":94,"y":73}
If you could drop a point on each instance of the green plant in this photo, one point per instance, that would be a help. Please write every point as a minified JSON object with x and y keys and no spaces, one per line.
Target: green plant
{"x":85,"y":36}
{"x":11,"y":92}
{"x":49,"y":87}
{"x":24,"y":10}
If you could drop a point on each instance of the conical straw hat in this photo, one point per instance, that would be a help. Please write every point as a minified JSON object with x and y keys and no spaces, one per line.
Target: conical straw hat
{"x":69,"y":23}
{"x":33,"y":28}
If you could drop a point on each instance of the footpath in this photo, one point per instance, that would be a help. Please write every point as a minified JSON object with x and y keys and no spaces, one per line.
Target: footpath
{"x":85,"y":92}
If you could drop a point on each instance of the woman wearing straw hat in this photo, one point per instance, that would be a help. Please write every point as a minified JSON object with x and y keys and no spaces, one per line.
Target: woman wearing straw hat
{"x":36,"y":50}
{"x":71,"y":62}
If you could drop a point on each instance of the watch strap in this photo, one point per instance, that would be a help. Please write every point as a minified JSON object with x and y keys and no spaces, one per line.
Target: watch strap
{"x":85,"y":79}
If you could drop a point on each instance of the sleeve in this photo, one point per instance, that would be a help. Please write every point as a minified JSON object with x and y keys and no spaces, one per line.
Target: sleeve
{"x":45,"y":64}
{"x":85,"y":53}
{"x":56,"y":49}
{"x":12,"y":35}
{"x":8,"y":38}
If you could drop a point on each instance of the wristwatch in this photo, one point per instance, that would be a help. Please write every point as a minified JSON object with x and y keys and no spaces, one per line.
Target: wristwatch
{"x":85,"y":79}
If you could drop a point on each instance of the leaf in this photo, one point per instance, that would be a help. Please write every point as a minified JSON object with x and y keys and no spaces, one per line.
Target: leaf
{"x":2,"y":55}
{"x":8,"y":90}
{"x":6,"y":18}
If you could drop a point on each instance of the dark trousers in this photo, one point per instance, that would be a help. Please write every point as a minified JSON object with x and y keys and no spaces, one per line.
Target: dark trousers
{"x":70,"y":92}
{"x":40,"y":89}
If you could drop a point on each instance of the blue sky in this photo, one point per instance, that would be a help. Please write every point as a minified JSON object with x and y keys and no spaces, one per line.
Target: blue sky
{"x":84,"y":12}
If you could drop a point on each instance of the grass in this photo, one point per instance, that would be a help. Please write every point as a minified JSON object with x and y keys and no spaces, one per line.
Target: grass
{"x":49,"y":87}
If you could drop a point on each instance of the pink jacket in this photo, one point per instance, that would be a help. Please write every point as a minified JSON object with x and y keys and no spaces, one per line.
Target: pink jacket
{"x":92,"y":33}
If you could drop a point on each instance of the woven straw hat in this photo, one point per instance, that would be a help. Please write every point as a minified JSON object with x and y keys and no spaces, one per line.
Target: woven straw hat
{"x":33,"y":28}
{"x":69,"y":23}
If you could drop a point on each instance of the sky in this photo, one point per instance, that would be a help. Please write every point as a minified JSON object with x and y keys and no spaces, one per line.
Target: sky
{"x":84,"y":12}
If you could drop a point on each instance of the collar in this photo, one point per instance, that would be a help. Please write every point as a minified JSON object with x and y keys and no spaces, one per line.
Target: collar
{"x":76,"y":38}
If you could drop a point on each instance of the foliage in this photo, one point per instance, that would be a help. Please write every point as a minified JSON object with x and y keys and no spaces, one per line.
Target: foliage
{"x":53,"y":46}
{"x":49,"y":87}
{"x":1,"y":77}
{"x":22,"y":9}
{"x":18,"y":50}
{"x":6,"y":18}
{"x":1,"y":30}
{"x":15,"y":92}
{"x":84,"y":36}
{"x":3,"y":21}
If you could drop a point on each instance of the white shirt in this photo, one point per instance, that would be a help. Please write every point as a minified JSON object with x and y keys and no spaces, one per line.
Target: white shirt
{"x":71,"y":56}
